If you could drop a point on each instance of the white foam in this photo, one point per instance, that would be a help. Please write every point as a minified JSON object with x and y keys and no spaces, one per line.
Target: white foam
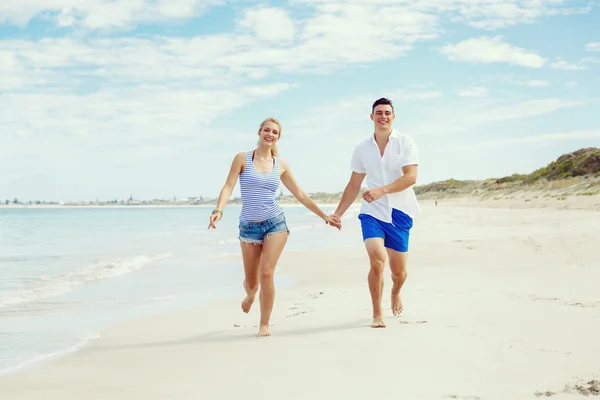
{"x":57,"y":285}
{"x":22,"y":362}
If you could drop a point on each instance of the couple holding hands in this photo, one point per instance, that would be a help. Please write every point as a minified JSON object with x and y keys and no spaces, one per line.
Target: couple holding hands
{"x":389,"y":161}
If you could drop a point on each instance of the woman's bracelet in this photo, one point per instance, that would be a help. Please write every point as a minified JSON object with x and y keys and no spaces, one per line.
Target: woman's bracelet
{"x":216,"y":210}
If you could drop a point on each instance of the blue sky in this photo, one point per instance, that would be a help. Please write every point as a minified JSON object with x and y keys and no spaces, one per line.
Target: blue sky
{"x":153,"y":98}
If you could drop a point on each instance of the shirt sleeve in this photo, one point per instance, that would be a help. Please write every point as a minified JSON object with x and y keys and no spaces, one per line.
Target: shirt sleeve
{"x":410,"y":154}
{"x":356,"y":164}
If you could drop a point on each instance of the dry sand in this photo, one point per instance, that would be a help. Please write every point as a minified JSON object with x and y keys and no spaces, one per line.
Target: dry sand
{"x":499,"y":303}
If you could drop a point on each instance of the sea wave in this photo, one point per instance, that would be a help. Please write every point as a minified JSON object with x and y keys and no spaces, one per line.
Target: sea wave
{"x":12,"y":364}
{"x":47,"y":287}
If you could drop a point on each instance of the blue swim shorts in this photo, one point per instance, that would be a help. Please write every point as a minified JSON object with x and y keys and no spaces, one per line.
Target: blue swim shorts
{"x":255,"y":232}
{"x":394,"y":234}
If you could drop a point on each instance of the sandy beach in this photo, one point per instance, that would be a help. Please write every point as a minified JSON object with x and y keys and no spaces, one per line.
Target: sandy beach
{"x":500,"y":303}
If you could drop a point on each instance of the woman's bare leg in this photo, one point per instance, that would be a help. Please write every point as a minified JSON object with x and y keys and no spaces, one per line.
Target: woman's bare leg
{"x":272,"y":247}
{"x":251,"y":254}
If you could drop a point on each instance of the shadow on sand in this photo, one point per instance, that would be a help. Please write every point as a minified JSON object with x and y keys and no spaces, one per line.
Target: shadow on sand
{"x":230,"y":335}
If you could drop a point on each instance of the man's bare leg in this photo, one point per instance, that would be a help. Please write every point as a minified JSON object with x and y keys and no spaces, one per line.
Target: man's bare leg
{"x":377,"y":256}
{"x":272,"y":247}
{"x":251,"y":254}
{"x":398,"y":270}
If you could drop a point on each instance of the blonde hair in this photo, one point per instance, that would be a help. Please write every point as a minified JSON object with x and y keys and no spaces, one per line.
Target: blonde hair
{"x":274,"y":148}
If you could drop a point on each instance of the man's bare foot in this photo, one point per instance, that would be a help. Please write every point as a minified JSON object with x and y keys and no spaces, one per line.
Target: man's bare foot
{"x":264,"y":331}
{"x":397,"y":307}
{"x":250,"y":296}
{"x":378,"y":322}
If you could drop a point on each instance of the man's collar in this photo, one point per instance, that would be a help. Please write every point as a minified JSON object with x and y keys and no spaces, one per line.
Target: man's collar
{"x":393,"y":134}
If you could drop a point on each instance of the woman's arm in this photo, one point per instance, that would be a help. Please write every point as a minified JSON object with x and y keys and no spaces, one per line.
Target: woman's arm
{"x":236,"y":168}
{"x":287,"y":178}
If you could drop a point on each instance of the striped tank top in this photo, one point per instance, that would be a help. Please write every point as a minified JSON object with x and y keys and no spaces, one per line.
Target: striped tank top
{"x":258,"y":192}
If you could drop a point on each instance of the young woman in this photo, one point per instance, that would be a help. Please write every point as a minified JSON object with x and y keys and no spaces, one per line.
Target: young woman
{"x":263,"y":230}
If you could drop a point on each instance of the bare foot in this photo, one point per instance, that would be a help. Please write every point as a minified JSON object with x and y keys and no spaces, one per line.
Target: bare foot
{"x":264,"y":331}
{"x":397,"y":307}
{"x":247,"y":302}
{"x":378,"y":322}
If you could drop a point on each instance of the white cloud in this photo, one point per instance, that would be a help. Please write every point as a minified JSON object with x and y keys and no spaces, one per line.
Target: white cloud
{"x":474,"y":92}
{"x":570,"y":10}
{"x":100,"y":14}
{"x":269,"y":24}
{"x":523,"y":109}
{"x":492,"y":50}
{"x":589,"y":60}
{"x":537,"y":83}
{"x":484,"y":14}
{"x":456,"y":116}
{"x":500,"y":14}
{"x":565,"y":65}
{"x":461,"y":117}
{"x":416,"y":15}
{"x":125,"y":120}
{"x":322,"y":119}
{"x":325,"y":42}
{"x":544,"y":138}
{"x":338,"y":32}
{"x":368,"y":20}
{"x":595,"y":46}
{"x":571,"y":84}
{"x":208,"y":60}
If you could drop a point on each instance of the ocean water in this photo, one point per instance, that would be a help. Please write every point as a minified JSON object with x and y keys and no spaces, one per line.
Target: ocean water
{"x":66,"y":273}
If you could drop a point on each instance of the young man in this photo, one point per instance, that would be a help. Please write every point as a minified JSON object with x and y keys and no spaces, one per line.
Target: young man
{"x":389,"y":160}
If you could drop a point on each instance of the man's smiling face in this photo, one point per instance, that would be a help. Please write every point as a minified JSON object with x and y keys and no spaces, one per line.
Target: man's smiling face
{"x":382,"y":116}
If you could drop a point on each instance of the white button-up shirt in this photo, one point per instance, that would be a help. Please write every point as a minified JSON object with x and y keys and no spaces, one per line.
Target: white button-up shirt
{"x":400,"y":151}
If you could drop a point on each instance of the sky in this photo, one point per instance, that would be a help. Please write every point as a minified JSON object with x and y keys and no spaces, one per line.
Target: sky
{"x":106,"y":99}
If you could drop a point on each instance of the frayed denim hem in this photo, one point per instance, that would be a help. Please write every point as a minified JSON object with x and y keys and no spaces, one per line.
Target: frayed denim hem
{"x":275,"y":233}
{"x":255,"y":241}
{"x":249,"y":241}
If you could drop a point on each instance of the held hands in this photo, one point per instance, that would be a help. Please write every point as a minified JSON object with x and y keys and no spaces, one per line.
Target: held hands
{"x":372,"y":195}
{"x":334,"y":221}
{"x":212,"y":220}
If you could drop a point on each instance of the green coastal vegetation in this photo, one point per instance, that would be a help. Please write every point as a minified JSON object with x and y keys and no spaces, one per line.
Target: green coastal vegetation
{"x":576,"y":173}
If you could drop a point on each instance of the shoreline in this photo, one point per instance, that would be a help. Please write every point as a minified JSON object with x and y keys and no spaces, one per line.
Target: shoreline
{"x":83,"y":342}
{"x":134,"y":311}
{"x":476,"y":325}
{"x":21,"y":206}
{"x":523,"y":199}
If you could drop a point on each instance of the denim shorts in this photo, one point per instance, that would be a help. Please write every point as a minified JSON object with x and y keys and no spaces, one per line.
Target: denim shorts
{"x":395,"y":234}
{"x":255,"y":232}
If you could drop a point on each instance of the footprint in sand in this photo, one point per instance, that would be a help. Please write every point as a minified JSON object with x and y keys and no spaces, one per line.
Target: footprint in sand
{"x":566,"y":303}
{"x":469,"y":244}
{"x":545,"y":394}
{"x":590,"y":388}
{"x":296,"y":314}
{"x":298,"y":309}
